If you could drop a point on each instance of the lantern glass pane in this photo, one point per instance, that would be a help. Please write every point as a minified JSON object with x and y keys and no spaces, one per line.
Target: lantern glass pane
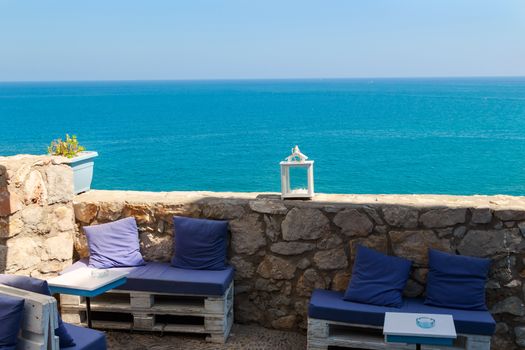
{"x":298,"y":179}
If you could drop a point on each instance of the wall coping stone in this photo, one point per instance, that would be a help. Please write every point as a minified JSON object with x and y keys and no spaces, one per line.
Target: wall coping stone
{"x":34,"y":159}
{"x":495,"y":202}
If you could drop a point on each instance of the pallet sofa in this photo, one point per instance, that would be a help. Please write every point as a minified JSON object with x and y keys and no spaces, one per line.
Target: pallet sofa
{"x":455,"y":286}
{"x":160,"y":297}
{"x":40,"y":319}
{"x":333,"y":321}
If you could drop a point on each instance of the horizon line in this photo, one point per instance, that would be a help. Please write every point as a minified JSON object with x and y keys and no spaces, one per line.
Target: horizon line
{"x":266,"y":79}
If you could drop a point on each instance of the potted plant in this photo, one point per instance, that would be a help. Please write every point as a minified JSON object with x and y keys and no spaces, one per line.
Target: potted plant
{"x":81,"y":161}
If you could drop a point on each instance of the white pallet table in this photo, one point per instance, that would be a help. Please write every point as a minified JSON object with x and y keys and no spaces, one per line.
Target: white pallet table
{"x":325,"y":333}
{"x":163,"y":312}
{"x":39,"y":321}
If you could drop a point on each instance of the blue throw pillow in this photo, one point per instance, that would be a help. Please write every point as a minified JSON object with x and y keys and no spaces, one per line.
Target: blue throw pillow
{"x":199,"y":244}
{"x":39,"y":286}
{"x":377,"y":279}
{"x":11,"y":312}
{"x":115,"y":244}
{"x":456,"y":281}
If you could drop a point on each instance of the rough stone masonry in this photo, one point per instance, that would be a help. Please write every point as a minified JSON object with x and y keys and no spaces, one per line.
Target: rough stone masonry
{"x":281,"y":250}
{"x":37,"y":221}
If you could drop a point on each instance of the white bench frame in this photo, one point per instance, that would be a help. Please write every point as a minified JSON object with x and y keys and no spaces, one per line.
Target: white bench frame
{"x":325,"y":333}
{"x":39,"y":321}
{"x":216,"y":311}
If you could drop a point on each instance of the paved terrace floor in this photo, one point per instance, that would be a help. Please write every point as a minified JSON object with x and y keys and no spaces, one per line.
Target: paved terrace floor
{"x":241,"y":337}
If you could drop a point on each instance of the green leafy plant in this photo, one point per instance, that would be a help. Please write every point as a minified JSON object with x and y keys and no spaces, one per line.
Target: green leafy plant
{"x":66,"y":148}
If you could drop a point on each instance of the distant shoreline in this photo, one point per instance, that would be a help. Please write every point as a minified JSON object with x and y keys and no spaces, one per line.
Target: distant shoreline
{"x":237,"y":80}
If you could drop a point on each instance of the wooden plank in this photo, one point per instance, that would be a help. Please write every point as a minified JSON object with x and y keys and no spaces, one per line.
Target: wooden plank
{"x":110,"y":325}
{"x":72,"y":316}
{"x":179,"y":309}
{"x":217,"y":306}
{"x":141,"y":300}
{"x":143,"y":322}
{"x":220,"y":304}
{"x":478,"y":342}
{"x":215,"y":324}
{"x":66,"y":299}
{"x":53,"y":340}
{"x":222,"y":337}
{"x":28,"y":344}
{"x":176,"y":308}
{"x":317,"y":328}
{"x":184,"y":328}
{"x":365,"y":342}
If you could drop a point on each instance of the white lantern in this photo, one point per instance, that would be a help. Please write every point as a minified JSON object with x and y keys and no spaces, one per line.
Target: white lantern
{"x":297,"y":161}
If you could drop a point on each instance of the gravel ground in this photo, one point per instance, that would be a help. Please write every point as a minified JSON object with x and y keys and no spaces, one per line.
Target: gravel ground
{"x":241,"y":337}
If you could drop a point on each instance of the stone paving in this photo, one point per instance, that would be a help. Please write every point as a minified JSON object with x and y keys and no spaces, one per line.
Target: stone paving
{"x":241,"y":337}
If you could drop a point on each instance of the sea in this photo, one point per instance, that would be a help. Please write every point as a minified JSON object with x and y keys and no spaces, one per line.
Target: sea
{"x":441,"y":136}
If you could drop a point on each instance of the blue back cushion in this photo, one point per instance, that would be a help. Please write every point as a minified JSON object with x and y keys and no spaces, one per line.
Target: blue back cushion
{"x":115,"y":244}
{"x":199,"y":244}
{"x":39,"y":286}
{"x":377,"y":279}
{"x":11,"y":312}
{"x":456,"y":281}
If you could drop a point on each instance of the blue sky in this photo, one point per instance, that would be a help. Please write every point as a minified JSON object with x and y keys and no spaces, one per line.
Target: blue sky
{"x":223,"y":39}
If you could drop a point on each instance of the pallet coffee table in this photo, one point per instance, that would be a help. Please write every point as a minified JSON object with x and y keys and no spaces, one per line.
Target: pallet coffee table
{"x":419,"y":329}
{"x":88,"y":283}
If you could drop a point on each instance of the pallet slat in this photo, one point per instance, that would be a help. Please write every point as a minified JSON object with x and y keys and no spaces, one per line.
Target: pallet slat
{"x":175,"y":308}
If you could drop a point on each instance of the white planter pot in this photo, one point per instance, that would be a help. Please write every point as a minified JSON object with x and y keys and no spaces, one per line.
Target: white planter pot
{"x":82,"y":166}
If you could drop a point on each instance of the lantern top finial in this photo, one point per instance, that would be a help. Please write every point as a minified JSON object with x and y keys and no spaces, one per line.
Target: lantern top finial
{"x":296,"y":155}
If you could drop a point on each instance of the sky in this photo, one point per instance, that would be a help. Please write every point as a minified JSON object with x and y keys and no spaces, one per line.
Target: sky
{"x":58,"y":40}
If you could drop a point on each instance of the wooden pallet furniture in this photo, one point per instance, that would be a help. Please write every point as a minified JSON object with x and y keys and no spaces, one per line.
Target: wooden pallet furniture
{"x":39,"y":321}
{"x":326,"y":326}
{"x":325,"y":333}
{"x":150,"y":311}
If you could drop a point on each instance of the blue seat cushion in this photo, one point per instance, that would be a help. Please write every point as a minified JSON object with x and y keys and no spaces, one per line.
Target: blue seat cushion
{"x":199,"y":244}
{"x":456,"y":281}
{"x":85,"y":338}
{"x":329,"y":305}
{"x":377,"y":279}
{"x":156,"y":277}
{"x":39,"y":286}
{"x":11,"y":312}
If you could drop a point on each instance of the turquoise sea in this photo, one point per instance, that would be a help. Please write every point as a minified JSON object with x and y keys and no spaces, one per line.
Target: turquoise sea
{"x":454,"y":136}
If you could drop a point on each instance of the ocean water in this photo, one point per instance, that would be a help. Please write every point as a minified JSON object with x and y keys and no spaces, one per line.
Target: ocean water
{"x":453,"y":136}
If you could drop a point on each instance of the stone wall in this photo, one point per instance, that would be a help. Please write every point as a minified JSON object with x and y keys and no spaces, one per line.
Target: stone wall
{"x":283,"y":249}
{"x":37,"y":222}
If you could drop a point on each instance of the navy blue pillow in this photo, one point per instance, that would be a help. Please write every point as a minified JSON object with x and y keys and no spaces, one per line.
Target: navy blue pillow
{"x":377,"y":279}
{"x":456,"y":281}
{"x":199,"y":244}
{"x":11,"y":312}
{"x":39,"y":286}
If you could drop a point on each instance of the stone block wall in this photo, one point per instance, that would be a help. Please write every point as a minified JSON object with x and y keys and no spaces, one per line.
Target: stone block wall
{"x":282,"y":250}
{"x":37,"y":222}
